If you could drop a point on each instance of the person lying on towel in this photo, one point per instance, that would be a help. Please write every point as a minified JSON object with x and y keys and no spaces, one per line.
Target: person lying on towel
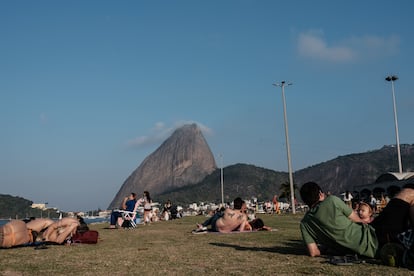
{"x":17,"y":232}
{"x":227,"y":221}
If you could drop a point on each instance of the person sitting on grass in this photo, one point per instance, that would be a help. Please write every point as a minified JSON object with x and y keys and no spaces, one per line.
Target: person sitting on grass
{"x":331,"y":224}
{"x":226,"y":221}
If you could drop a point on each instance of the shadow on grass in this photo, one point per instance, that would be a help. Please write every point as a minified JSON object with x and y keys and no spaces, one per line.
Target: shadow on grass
{"x":292,"y":247}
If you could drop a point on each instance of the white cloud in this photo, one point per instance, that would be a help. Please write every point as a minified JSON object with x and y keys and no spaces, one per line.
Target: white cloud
{"x":313,"y":45}
{"x":161,"y":132}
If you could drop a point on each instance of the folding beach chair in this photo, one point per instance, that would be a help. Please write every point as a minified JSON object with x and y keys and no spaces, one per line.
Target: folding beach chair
{"x":128,"y":219}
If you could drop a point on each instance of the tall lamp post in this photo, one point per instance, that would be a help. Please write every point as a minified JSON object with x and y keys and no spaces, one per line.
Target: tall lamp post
{"x":393,"y":78}
{"x":292,"y":190}
{"x":221,"y":180}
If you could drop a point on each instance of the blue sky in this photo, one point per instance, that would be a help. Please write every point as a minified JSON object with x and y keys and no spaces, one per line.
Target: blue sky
{"x":88,"y":89}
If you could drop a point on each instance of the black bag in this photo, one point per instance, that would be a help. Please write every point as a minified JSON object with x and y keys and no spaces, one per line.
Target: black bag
{"x":126,"y":224}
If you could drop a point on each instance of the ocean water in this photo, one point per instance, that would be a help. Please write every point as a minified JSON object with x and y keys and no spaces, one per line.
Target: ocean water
{"x":95,"y":220}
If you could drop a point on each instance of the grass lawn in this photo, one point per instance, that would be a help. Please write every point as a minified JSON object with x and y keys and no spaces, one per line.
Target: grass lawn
{"x":169,"y":248}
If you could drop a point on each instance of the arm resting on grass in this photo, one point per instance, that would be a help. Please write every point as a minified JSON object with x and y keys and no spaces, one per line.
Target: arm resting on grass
{"x":313,"y":250}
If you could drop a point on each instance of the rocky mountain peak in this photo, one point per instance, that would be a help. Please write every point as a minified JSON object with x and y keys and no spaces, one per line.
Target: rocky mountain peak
{"x":183,"y":159}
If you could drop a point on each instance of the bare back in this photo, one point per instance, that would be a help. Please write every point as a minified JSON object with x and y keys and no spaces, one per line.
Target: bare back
{"x":231,"y":220}
{"x":39,"y":224}
{"x":60,"y":230}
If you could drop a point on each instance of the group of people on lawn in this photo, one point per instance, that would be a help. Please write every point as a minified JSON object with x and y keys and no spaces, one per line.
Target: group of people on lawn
{"x":130,"y":205}
{"x":330,"y":226}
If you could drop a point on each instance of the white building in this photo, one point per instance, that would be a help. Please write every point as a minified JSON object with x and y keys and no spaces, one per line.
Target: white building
{"x":41,"y":206}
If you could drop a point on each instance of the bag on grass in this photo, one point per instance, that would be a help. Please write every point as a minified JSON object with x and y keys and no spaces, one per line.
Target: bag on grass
{"x":345,"y":260}
{"x":90,"y":237}
{"x":126,"y":224}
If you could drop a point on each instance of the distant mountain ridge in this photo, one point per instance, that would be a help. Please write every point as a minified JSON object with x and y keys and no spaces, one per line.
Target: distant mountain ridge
{"x":336,"y":176}
{"x":16,"y":207}
{"x":238,"y":180}
{"x":183,"y":170}
{"x":345,"y":172}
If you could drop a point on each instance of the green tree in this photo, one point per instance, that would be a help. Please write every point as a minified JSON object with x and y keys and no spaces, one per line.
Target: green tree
{"x":284,"y":190}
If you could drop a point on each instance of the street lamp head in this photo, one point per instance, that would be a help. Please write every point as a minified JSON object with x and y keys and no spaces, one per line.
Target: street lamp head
{"x":282,"y":83}
{"x":391,"y":78}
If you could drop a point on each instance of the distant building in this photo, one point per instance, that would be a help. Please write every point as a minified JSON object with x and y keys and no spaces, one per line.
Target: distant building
{"x":41,"y":206}
{"x":105,"y":213}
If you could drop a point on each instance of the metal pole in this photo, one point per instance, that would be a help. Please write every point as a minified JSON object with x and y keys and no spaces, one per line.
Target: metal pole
{"x":221,"y":177}
{"x":392,"y":79}
{"x":292,"y":190}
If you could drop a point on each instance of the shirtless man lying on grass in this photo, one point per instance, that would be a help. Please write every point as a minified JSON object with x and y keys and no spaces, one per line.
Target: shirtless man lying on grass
{"x":226,"y":221}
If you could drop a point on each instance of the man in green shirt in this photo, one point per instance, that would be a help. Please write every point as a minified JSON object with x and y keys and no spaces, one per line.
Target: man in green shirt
{"x":334,"y":225}
{"x":331,"y":224}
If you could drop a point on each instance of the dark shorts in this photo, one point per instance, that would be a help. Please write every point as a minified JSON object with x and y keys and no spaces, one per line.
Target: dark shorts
{"x":214,"y":220}
{"x":392,"y":220}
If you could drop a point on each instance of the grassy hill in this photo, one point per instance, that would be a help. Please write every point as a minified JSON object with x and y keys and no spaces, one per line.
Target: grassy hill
{"x":336,"y":176}
{"x":239,"y":180}
{"x":17,"y":207}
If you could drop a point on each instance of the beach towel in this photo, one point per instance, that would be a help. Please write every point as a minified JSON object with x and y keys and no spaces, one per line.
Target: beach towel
{"x":197,"y":232}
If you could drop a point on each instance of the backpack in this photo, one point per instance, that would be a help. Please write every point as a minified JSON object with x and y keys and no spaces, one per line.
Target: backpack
{"x":126,"y":224}
{"x":89,"y":237}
